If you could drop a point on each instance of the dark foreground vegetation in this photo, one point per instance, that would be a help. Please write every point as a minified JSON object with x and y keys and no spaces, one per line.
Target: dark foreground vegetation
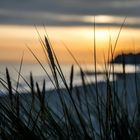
{"x":90,"y":112}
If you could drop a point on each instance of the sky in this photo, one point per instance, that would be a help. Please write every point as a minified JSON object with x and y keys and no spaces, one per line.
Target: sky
{"x":68,"y":12}
{"x":67,"y":22}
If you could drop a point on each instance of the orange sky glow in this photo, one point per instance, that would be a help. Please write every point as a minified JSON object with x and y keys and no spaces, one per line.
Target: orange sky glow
{"x":79,"y":40}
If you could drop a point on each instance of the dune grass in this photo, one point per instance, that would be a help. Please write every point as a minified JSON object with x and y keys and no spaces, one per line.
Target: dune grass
{"x":77,"y":113}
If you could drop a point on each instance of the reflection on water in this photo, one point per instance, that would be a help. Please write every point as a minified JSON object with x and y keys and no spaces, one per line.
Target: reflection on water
{"x":39,"y":75}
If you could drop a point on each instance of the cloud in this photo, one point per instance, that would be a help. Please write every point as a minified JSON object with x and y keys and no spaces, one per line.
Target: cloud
{"x":74,"y":12}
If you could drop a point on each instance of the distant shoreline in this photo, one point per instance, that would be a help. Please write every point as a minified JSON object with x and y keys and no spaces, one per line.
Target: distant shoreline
{"x":129,"y":58}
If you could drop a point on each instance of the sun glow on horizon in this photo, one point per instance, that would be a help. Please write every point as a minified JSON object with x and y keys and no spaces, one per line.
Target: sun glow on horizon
{"x":80,"y":41}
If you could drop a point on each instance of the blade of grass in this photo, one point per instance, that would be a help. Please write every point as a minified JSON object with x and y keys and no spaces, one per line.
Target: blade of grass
{"x":41,"y":65}
{"x":17,"y":96}
{"x":9,"y":88}
{"x":71,"y":78}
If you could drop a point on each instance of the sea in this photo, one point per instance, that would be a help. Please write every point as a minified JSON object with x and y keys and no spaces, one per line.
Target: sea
{"x":39,"y":75}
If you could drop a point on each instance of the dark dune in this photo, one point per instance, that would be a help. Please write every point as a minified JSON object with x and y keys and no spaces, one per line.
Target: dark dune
{"x":127,"y":59}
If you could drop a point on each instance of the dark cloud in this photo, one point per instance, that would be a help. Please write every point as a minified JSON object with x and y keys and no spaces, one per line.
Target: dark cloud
{"x":66,"y":12}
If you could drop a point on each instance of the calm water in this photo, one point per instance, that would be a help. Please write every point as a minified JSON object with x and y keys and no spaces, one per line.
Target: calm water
{"x":39,"y":75}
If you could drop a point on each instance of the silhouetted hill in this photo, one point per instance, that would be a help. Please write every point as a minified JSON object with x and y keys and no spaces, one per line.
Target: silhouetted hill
{"x":127,"y":59}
